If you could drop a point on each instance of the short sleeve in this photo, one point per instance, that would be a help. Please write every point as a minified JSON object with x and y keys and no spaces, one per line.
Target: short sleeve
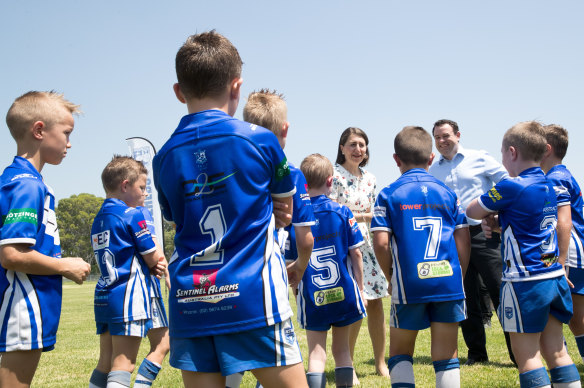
{"x":381,"y":220}
{"x":23,"y":204}
{"x":281,"y":184}
{"x":500,"y":196}
{"x":355,"y":238}
{"x":140,"y":233}
{"x":459,"y":215}
{"x":303,"y":215}
{"x":149,"y":220}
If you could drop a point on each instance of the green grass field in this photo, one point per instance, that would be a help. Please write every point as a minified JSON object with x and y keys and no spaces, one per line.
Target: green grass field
{"x":77,"y":350}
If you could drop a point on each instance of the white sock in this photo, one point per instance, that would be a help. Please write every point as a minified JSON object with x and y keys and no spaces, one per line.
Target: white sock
{"x":234,"y":380}
{"x":447,"y":373}
{"x":401,"y":370}
{"x":118,"y":379}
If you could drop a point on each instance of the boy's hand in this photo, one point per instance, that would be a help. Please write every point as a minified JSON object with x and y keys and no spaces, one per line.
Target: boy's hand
{"x":159,"y":269}
{"x":295,"y":273}
{"x":282,"y":214}
{"x":363,"y":298}
{"x":75,"y":268}
{"x":490,"y":224}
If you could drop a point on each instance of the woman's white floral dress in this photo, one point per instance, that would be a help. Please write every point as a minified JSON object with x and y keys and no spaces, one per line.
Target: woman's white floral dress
{"x":358,"y":194}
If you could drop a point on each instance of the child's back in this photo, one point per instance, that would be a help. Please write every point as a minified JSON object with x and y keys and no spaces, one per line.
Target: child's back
{"x":328,"y":291}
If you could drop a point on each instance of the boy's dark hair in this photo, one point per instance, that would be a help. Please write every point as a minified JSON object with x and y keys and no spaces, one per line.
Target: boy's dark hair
{"x":413,"y":145}
{"x":267,"y":109}
{"x":440,"y":123}
{"x":344,"y":137}
{"x":119,"y":169}
{"x":528,"y":138}
{"x":205,"y":64}
{"x":557,"y":137}
{"x":316,"y":169}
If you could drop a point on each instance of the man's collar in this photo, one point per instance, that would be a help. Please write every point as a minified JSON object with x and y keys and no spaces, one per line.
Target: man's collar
{"x":460,"y":151}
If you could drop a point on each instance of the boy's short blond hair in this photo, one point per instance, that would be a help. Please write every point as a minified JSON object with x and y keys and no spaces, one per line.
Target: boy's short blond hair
{"x":557,"y":137}
{"x":36,"y":106}
{"x":528,"y":138}
{"x":413,"y":145}
{"x":206,"y":64}
{"x":267,"y":109}
{"x":316,"y":169}
{"x":119,"y":169}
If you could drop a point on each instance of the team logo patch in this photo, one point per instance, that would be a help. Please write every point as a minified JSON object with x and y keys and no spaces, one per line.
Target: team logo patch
{"x":289,"y":335}
{"x":494,"y":195}
{"x":434,"y":269}
{"x":332,"y":295}
{"x":143,"y":229}
{"x":508,"y":312}
{"x":282,"y":170}
{"x":352,"y":222}
{"x":379,"y":211}
{"x":100,"y":240}
{"x":205,"y":184}
{"x":201,"y":158}
{"x":28,"y":215}
{"x":424,"y":189}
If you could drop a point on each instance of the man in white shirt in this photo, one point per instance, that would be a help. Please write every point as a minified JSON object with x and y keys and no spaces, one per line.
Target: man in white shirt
{"x":470,"y":173}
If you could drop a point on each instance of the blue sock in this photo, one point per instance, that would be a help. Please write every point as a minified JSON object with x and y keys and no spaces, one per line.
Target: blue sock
{"x":534,"y":378}
{"x":146,"y":374}
{"x":562,"y":376}
{"x":316,"y":380}
{"x":580,"y":343}
{"x":98,"y":379}
{"x":401,"y":371}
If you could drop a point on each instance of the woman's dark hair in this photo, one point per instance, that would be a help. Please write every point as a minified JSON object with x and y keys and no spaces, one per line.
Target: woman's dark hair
{"x":344,"y":137}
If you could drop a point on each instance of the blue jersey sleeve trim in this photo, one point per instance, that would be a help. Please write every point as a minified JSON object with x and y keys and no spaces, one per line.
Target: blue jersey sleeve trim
{"x":284,"y":195}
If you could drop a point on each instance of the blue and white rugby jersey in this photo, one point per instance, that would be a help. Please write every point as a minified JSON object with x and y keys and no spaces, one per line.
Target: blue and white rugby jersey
{"x":569,"y":193}
{"x":527,"y":209}
{"x":421,"y":213}
{"x":302,"y":214}
{"x":31,"y":304}
{"x":119,"y":236}
{"x":215,"y":177}
{"x":155,"y":291}
{"x":328,"y":292}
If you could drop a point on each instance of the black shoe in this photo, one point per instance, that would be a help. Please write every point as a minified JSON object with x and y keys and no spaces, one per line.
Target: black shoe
{"x":472,"y":361}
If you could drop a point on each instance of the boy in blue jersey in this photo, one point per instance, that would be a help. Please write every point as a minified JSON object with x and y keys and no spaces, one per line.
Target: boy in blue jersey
{"x":569,"y":217}
{"x":30,"y":253}
{"x":426,"y":261}
{"x":535,"y":296}
{"x":268,"y":109}
{"x":330,"y":293}
{"x":217,"y":178}
{"x":126,"y":255}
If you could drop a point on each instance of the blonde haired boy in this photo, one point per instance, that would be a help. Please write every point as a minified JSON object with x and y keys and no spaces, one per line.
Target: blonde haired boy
{"x":535,"y":296}
{"x":30,"y":252}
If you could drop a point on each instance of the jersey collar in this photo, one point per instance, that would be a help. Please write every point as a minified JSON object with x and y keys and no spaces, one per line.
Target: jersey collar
{"x":23,"y":164}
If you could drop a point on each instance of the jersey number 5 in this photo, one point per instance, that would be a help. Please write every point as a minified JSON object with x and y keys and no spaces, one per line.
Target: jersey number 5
{"x":322,"y":260}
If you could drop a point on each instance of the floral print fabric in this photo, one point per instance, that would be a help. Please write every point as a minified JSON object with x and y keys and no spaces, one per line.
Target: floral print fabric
{"x":358,"y":194}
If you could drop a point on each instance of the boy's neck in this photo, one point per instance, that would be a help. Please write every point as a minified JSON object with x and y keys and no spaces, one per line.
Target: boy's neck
{"x":31,"y":154}
{"x":522,"y":165}
{"x":200,"y":105}
{"x":324,"y":190}
{"x":407,"y":167}
{"x":548,"y":163}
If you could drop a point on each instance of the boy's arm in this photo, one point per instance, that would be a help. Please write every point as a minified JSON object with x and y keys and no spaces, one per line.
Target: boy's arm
{"x":304,"y":244}
{"x":383,"y":253}
{"x":282,"y":211}
{"x":564,"y":230}
{"x":476,"y":211}
{"x":20,"y":258}
{"x":462,"y":240}
{"x":357,"y":263}
{"x":165,"y":271}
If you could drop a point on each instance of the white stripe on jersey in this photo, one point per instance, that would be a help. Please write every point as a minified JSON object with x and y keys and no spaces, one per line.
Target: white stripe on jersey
{"x":397,"y":281}
{"x":509,"y":302}
{"x":50,"y":220}
{"x":17,"y":298}
{"x":274,"y":271}
{"x":137,"y":295}
{"x":301,"y":302}
{"x":358,"y":300}
{"x":576,"y":251}
{"x":512,"y":257}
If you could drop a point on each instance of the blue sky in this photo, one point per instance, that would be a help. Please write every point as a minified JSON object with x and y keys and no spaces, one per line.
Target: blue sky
{"x":377,"y":65}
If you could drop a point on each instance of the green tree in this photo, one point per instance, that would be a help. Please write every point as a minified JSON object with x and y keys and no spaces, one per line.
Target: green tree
{"x":169,"y":233}
{"x":75,"y":216}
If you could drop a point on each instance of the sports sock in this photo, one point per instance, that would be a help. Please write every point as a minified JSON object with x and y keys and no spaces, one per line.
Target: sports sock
{"x":344,"y":376}
{"x":98,"y":379}
{"x":565,"y":377}
{"x":258,"y":385}
{"x":447,"y":373}
{"x":534,"y":379}
{"x":580,"y":343}
{"x":234,"y":380}
{"x":146,"y":374}
{"x":316,"y":379}
{"x":118,"y":379}
{"x":401,"y":371}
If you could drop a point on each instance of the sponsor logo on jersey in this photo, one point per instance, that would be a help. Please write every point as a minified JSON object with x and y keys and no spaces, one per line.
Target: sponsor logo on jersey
{"x":143,"y":224}
{"x":21,"y":215}
{"x":327,"y":236}
{"x":379,"y":211}
{"x":143,"y":229}
{"x":508,"y":312}
{"x":550,"y":209}
{"x":289,"y":335}
{"x":205,"y":289}
{"x":352,"y":221}
{"x":205,"y":184}
{"x":20,"y":176}
{"x":201,"y":159}
{"x":434,"y":269}
{"x":100,"y":240}
{"x":494,"y":195}
{"x":332,"y":295}
{"x":305,"y":196}
{"x":421,"y":206}
{"x":282,"y":170}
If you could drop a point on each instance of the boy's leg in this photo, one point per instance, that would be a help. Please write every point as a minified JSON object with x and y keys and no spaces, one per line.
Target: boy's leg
{"x":98,"y":377}
{"x":17,"y":368}
{"x":445,"y":354}
{"x":289,"y":376}
{"x":150,"y":366}
{"x":199,"y":379}
{"x":526,"y":350}
{"x":124,"y":352}
{"x":316,"y":341}
{"x":342,"y":356}
{"x":564,"y":373}
{"x":353,"y":335}
{"x":401,"y":350}
{"x":577,"y":322}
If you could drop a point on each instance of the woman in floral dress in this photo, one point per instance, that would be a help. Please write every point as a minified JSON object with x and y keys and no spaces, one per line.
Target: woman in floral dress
{"x":355,"y":188}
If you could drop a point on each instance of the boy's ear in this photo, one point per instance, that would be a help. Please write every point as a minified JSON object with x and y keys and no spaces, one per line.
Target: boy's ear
{"x":514,"y":153}
{"x":178,"y":93}
{"x":236,"y":88}
{"x":284,"y":131}
{"x":124,"y":185}
{"x":329,"y":181}
{"x":37,"y":130}
{"x":397,"y":160}
{"x":548,"y":151}
{"x":432,"y":155}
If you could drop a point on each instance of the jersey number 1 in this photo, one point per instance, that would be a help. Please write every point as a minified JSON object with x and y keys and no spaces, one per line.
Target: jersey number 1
{"x":212,"y":224}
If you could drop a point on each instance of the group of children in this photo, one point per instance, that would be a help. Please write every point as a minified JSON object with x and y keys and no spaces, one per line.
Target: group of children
{"x":249,"y":224}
